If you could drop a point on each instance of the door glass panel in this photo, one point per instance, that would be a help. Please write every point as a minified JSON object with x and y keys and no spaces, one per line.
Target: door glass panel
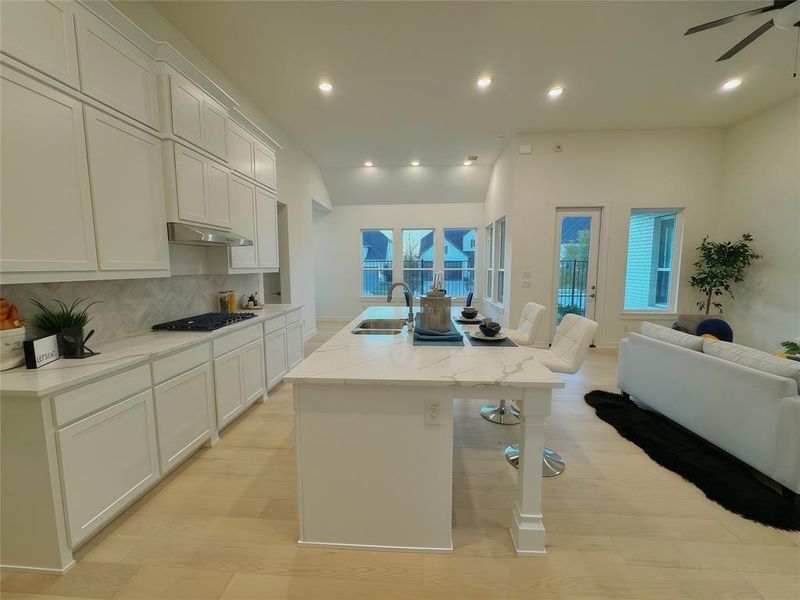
{"x":574,"y":254}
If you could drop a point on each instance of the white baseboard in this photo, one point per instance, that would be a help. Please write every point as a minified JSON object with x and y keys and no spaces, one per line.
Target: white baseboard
{"x":309,"y":335}
{"x":43,"y":570}
{"x":371,"y":547}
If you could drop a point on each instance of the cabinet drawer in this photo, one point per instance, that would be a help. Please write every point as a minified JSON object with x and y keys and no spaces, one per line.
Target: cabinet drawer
{"x":274,"y":324}
{"x":84,"y":400}
{"x":294,"y":316}
{"x":237,"y":339}
{"x":181,"y":362}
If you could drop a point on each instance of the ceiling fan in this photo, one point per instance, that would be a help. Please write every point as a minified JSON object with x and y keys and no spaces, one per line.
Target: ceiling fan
{"x":788,"y":16}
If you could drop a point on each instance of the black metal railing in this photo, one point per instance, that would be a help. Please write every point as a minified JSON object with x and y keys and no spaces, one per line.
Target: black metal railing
{"x":377,"y":277}
{"x":572,"y":279}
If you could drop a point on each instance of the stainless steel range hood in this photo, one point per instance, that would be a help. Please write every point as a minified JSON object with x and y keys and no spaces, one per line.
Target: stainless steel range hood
{"x":197,"y":235}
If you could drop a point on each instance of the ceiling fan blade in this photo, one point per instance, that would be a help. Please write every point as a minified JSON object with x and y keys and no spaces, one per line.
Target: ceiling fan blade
{"x":756,"y":11}
{"x":747,"y":40}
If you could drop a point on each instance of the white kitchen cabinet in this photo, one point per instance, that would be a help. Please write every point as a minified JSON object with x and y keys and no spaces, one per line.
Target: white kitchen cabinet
{"x":241,"y":150}
{"x":294,"y":343}
{"x":218,"y":200}
{"x":198,"y":187}
{"x":190,"y":184}
{"x":215,"y":128}
{"x":228,"y":387}
{"x":253,"y":371}
{"x":107,"y":460}
{"x":264,"y":159}
{"x":46,"y":220}
{"x":116,"y":71}
{"x":267,"y":229}
{"x":41,"y":35}
{"x":196,"y":117}
{"x":275,"y":344}
{"x":183,"y":407}
{"x":243,"y":223}
{"x":127,"y":182}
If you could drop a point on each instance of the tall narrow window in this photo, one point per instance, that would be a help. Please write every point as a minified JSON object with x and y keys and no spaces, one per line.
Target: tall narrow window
{"x":376,"y":261}
{"x":459,"y":261}
{"x":418,"y":256}
{"x":500,"y":260}
{"x":489,"y":259}
{"x":653,"y":248}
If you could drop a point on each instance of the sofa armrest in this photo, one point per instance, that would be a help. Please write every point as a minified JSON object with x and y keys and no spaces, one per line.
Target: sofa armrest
{"x":787,"y":444}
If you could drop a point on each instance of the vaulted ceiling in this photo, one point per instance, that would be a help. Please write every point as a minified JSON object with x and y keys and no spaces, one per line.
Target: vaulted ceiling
{"x":404,"y":72}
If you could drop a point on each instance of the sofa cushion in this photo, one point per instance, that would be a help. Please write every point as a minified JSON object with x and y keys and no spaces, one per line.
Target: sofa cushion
{"x":672,"y":336}
{"x":755,"y":359}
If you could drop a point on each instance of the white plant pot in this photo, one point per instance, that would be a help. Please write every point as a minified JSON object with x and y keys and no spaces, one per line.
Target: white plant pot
{"x":11,"y":352}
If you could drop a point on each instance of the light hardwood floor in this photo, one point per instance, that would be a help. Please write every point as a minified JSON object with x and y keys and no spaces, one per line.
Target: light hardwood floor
{"x":618,"y":526}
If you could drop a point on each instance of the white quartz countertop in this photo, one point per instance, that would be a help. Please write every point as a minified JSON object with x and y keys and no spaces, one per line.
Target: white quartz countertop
{"x":393,"y":359}
{"x":119,"y":354}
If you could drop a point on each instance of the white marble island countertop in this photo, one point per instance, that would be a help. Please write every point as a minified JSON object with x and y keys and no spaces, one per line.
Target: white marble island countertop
{"x":119,"y":354}
{"x":393,"y":359}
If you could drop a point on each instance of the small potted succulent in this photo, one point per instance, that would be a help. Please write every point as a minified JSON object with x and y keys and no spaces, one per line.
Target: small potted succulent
{"x":65,"y":322}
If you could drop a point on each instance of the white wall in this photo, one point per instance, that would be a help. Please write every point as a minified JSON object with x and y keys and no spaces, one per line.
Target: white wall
{"x":617,"y":171}
{"x":761,"y":195}
{"x":299,"y":178}
{"x":337,"y":245}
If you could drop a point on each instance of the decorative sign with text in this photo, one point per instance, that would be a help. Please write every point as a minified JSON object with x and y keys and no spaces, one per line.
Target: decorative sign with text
{"x":40,"y":352}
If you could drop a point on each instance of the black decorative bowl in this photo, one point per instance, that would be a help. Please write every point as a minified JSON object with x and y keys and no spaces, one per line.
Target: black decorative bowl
{"x":469,"y":312}
{"x":489,"y":328}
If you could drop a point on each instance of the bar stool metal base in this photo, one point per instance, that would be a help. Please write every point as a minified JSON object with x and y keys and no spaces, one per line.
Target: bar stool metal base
{"x":552,"y":463}
{"x":502,"y":414}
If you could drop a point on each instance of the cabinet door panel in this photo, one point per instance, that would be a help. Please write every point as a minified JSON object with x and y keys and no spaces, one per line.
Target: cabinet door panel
{"x":294,"y":343}
{"x":275,"y":343}
{"x":107,"y":461}
{"x":264,"y":165}
{"x":182,"y":414}
{"x":267,"y":229}
{"x":115,"y":71}
{"x":42,"y":35}
{"x":190,"y":181}
{"x":127,"y":194}
{"x":240,"y":150}
{"x":187,"y":109}
{"x":243,"y":214}
{"x":46,"y":203}
{"x":215,"y":129}
{"x":228,"y":386}
{"x":253,"y":370}
{"x":218,"y":202}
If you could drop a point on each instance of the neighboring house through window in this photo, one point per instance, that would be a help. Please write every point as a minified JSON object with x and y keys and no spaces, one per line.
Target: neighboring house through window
{"x":376,"y":261}
{"x":459,"y":261}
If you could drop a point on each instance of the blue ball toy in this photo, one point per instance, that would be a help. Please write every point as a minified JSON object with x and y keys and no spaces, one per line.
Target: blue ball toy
{"x":716,"y":327}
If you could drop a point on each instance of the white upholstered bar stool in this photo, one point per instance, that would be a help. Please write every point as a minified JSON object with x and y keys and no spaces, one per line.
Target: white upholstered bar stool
{"x":529,"y":322}
{"x":566,"y":354}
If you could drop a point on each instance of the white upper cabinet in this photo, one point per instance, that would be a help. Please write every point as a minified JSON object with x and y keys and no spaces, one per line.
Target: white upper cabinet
{"x":197,"y":188}
{"x":264,"y":165}
{"x":196,"y":117}
{"x":115,"y":71}
{"x":191,"y":184}
{"x":267,"y":229}
{"x":46,"y":220}
{"x":243,"y":201}
{"x":218,"y":190}
{"x":240,"y":150}
{"x":127,"y":183}
{"x":42,"y":35}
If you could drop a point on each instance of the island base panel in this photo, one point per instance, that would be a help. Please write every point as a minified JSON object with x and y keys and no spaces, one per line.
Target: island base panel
{"x":372,"y":474}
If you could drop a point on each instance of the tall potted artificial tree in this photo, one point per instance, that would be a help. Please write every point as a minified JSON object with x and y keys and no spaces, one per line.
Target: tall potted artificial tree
{"x":720,"y":265}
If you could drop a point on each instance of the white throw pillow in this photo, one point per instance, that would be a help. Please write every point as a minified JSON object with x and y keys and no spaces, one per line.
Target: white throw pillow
{"x":672,"y":336}
{"x":755,"y":359}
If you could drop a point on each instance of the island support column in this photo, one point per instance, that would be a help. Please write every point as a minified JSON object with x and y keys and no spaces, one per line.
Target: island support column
{"x":527,"y":529}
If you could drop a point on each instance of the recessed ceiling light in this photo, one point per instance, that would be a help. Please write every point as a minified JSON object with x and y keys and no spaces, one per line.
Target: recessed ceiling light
{"x":467,"y":163}
{"x":414,"y":163}
{"x":326,"y":87}
{"x":484,"y":81}
{"x":731,"y":84}
{"x":555,"y":91}
{"x":367,"y":163}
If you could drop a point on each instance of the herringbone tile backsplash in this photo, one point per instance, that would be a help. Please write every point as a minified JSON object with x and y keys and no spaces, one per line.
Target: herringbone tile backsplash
{"x":132,"y":305}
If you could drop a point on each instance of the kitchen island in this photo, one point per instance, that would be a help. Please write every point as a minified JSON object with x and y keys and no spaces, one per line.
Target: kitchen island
{"x":374,"y":437}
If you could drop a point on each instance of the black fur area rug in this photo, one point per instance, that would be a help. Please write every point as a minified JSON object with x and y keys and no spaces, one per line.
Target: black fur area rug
{"x":720,"y":476}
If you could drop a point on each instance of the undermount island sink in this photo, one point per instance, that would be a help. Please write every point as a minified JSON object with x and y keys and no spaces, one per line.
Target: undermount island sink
{"x":379,"y":327}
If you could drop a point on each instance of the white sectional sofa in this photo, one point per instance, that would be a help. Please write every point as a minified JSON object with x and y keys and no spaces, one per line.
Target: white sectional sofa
{"x":739,"y":399}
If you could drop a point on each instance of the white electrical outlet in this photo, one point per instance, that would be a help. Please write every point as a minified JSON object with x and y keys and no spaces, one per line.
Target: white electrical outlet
{"x":432,"y":413}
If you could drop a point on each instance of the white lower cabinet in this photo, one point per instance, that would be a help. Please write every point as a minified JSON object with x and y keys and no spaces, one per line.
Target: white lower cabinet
{"x":184,"y":418}
{"x":108,"y":459}
{"x":294,"y":343}
{"x":253,"y":371}
{"x":228,"y":387}
{"x":275,"y":344}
